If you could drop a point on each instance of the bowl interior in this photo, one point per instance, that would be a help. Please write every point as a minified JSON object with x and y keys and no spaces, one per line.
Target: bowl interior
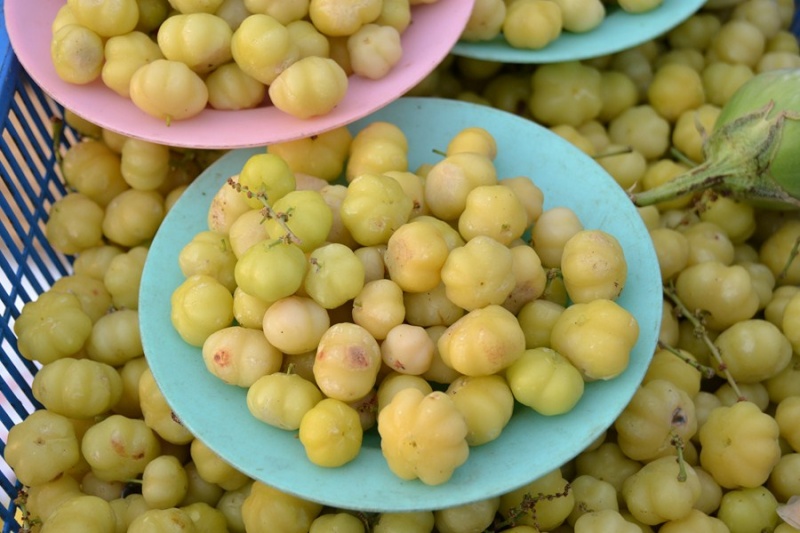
{"x":435,"y":28}
{"x":620,"y":30}
{"x":530,"y":446}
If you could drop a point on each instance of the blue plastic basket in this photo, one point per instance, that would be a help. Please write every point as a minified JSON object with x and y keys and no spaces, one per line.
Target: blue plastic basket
{"x":29,"y":265}
{"x":30,"y":184}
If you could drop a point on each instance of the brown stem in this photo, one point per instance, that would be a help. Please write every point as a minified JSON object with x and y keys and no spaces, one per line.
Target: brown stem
{"x":701,"y":331}
{"x":552,"y":274}
{"x":21,"y":501}
{"x":528,"y":506}
{"x":269,"y":213}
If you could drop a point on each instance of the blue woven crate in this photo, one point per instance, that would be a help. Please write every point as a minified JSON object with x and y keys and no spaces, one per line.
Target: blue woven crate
{"x":29,"y":265}
{"x":30,"y":184}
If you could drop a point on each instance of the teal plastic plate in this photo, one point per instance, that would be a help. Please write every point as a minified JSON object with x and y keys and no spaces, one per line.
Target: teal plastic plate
{"x":618,"y":31}
{"x":530,"y":446}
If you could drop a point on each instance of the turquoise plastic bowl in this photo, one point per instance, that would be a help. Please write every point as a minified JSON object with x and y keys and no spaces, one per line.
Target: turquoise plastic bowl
{"x":619,"y":30}
{"x":529,"y":447}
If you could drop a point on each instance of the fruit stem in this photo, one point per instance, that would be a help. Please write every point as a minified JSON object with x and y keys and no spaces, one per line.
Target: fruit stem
{"x":706,"y":371}
{"x":792,"y":255}
{"x":528,"y":506}
{"x":551,"y":275}
{"x":269,"y":213}
{"x":677,"y":442}
{"x":700,"y":331}
{"x":21,"y":501}
{"x":611,"y":153}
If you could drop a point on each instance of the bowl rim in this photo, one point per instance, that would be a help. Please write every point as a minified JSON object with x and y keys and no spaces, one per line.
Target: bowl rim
{"x":619,"y":31}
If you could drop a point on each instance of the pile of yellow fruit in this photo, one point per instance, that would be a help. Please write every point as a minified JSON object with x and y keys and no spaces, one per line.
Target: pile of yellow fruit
{"x":710,"y":442}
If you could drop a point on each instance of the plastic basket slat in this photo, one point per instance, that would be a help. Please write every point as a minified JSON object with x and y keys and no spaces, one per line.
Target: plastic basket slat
{"x":33,"y":258}
{"x":27,"y":135}
{"x":35,"y":214}
{"x":38,"y":125}
{"x":32,"y":130}
{"x":16,"y":388}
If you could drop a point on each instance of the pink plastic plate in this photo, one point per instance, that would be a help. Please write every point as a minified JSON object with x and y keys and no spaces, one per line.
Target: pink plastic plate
{"x":434,"y":30}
